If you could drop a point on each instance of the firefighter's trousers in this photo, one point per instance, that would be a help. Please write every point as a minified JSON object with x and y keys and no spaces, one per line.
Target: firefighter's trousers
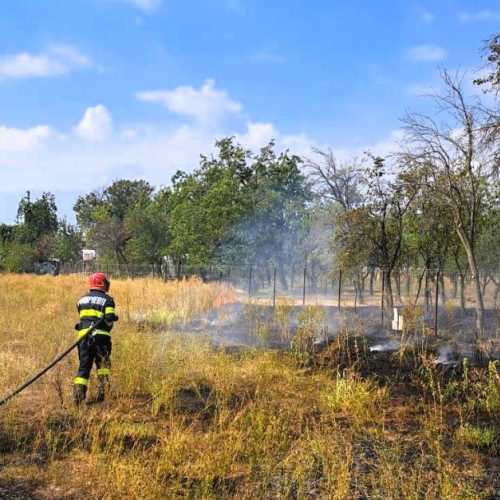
{"x":93,"y":349}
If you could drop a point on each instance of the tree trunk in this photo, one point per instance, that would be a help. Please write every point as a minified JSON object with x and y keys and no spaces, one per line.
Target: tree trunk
{"x":282,"y":275}
{"x":442,"y":289}
{"x":388,"y":290}
{"x":476,"y":279}
{"x":420,"y":279}
{"x":462,"y":290}
{"x":398,"y":286}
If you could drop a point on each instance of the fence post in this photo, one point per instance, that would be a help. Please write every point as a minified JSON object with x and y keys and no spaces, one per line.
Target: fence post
{"x":274,"y":288}
{"x":383,"y":293}
{"x":304,"y":288}
{"x":436,"y":305}
{"x":340,"y":288}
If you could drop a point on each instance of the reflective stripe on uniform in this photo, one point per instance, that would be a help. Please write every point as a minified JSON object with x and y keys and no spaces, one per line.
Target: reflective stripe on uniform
{"x":91,"y":313}
{"x":83,"y":331}
{"x":103,"y":371}
{"x":81,"y":381}
{"x":109,"y":310}
{"x":102,"y":332}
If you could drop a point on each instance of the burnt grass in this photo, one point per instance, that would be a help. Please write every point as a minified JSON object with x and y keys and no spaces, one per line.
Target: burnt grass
{"x":414,"y":381}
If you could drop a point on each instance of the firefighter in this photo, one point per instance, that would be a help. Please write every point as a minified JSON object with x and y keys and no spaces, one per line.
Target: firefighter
{"x":94,"y":348}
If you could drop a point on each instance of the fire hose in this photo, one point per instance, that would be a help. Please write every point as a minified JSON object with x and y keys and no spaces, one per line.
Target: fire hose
{"x":53,"y":363}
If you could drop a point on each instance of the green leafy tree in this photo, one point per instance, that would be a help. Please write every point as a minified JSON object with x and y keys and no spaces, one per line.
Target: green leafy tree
{"x":203,"y":206}
{"x":68,"y":243}
{"x":103,"y":216}
{"x":31,"y":239}
{"x":238,"y":208}
{"x":491,"y":53}
{"x":272,"y":231}
{"x":372,"y":234}
{"x":148,"y":225}
{"x":36,"y":218}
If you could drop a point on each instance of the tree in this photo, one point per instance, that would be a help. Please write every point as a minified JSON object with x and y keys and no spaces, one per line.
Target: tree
{"x":37,"y":218}
{"x":279,"y":195}
{"x":335,"y":180}
{"x":338,"y":184}
{"x":103,"y":216}
{"x":68,"y":242}
{"x":238,"y":208}
{"x":455,"y":159}
{"x":148,"y":226}
{"x":34,"y":233}
{"x":372,"y":234}
{"x":203,"y":206}
{"x":429,"y":236}
{"x":491,"y":52}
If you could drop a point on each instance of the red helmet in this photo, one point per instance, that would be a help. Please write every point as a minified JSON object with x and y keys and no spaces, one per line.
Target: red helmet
{"x":99,"y":281}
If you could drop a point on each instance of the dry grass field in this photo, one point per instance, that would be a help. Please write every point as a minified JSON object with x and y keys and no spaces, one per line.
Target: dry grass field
{"x":188,"y":420}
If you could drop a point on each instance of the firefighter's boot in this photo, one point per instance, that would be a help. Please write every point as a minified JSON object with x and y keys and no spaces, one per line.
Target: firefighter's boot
{"x":103,"y":387}
{"x":79,"y":394}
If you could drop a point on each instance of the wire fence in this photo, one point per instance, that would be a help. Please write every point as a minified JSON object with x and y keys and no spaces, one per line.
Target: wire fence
{"x":407,"y":299}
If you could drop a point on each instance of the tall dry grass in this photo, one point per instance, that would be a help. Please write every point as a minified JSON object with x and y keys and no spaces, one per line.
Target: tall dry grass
{"x":185,"y":420}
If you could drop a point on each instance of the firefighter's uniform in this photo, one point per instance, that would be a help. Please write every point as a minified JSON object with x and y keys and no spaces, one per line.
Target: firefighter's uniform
{"x":96,"y":347}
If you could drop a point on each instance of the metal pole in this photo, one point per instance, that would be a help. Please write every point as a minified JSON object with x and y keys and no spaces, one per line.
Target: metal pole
{"x":274,"y":288}
{"x":436,"y":305}
{"x":304,"y":288}
{"x":383,"y":293}
{"x":340,"y":288}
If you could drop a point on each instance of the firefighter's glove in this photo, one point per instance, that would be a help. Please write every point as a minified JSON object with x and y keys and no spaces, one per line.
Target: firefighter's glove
{"x":111,"y":318}
{"x":78,"y":327}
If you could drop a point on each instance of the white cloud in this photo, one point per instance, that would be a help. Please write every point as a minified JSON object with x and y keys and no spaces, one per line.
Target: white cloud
{"x":259,"y":135}
{"x":55,"y":61}
{"x":206,"y":105}
{"x":15,"y":139}
{"x":426,"y":53}
{"x":483,"y":15}
{"x":69,"y":56}
{"x":96,"y":124}
{"x":146,"y":5}
{"x":388,"y":145}
{"x":41,"y":158}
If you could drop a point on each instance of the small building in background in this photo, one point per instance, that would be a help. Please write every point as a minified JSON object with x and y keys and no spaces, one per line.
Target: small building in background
{"x":89,"y":257}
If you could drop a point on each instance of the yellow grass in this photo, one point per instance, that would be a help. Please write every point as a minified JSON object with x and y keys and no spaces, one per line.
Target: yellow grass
{"x":185,"y":420}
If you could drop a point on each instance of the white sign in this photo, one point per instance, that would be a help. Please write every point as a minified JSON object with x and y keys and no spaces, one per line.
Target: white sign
{"x":88,"y":255}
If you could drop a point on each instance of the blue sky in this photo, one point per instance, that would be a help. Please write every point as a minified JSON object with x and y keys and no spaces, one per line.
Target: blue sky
{"x":97,"y":90}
